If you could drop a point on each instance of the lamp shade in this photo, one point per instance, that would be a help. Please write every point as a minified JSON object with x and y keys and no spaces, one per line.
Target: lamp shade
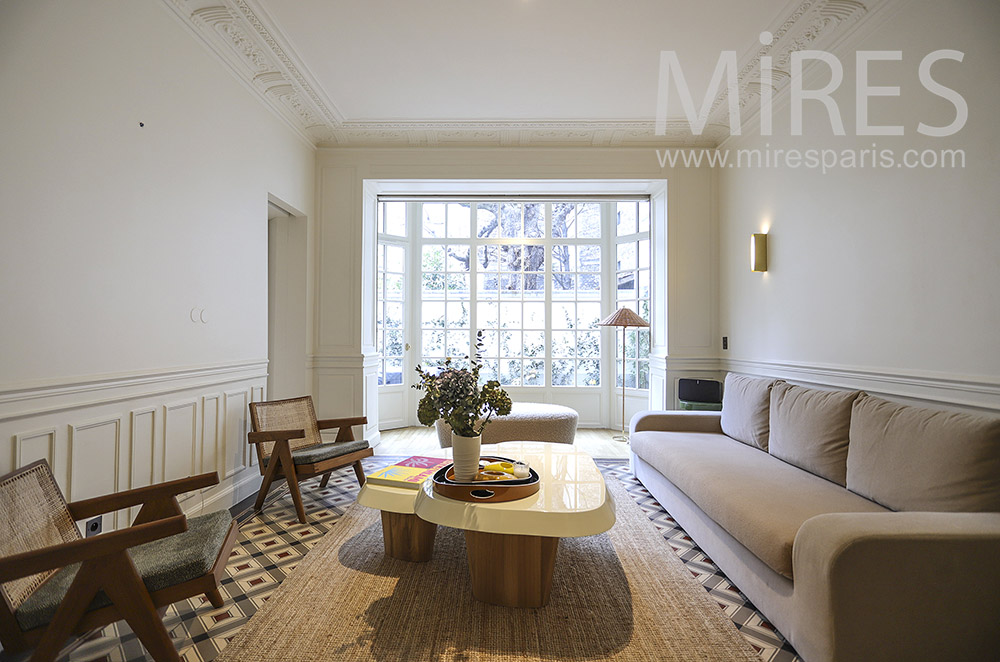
{"x":623,"y":317}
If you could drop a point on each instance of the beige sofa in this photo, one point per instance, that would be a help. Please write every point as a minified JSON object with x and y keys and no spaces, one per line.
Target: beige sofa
{"x":862,"y":529}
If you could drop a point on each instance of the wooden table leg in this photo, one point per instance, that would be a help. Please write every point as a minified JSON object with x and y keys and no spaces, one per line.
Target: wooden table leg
{"x":407,"y":537}
{"x":510,"y":570}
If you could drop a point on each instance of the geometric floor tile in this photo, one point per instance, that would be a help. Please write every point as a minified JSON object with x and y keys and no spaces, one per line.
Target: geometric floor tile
{"x":272,"y":543}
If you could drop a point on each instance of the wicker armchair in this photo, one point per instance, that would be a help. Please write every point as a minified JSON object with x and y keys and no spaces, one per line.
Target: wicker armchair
{"x":286,"y":435}
{"x":56,"y":583}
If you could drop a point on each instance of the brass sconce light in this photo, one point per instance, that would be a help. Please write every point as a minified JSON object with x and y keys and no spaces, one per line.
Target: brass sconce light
{"x":758,"y":252}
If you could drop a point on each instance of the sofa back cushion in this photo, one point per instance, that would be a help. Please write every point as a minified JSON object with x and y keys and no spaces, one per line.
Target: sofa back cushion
{"x":910,"y":458}
{"x":745,"y":405}
{"x":811,"y":429}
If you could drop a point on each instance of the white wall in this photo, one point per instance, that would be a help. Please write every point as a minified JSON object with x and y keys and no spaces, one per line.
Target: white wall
{"x":344,"y":379}
{"x":884,"y":278}
{"x":112,"y":233}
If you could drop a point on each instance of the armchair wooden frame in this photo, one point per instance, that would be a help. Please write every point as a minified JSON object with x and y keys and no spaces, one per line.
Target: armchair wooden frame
{"x":280,"y":463}
{"x":106,"y":566}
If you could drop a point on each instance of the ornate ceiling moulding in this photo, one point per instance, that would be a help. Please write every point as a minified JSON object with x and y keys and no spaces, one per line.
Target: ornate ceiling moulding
{"x":242,"y":35}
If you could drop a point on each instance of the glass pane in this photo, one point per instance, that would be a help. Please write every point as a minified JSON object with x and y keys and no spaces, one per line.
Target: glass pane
{"x":534,"y":220}
{"x":643,"y":343}
{"x":534,"y":258}
{"x":487,"y":314}
{"x":394,"y":315}
{"x":510,"y":343}
{"x":510,"y":220}
{"x":644,"y":254}
{"x":588,"y":344}
{"x":563,"y":220}
{"x":458,"y":258}
{"x":395,"y":259}
{"x":563,"y":315}
{"x":433,"y":343}
{"x":433,"y":258}
{"x":534,"y":315}
{"x":459,"y":215}
{"x":510,"y":315}
{"x":380,"y":227}
{"x":631,"y":343}
{"x":563,"y":373}
{"x":534,"y":373}
{"x":588,"y":373}
{"x":394,"y":286}
{"x":563,"y":258}
{"x":487,"y":224}
{"x":491,"y":346}
{"x":510,"y":258}
{"x":433,"y":219}
{"x":630,"y":374}
{"x":487,"y":285}
{"x":626,"y":218}
{"x":644,"y":284}
{"x":534,"y":343}
{"x":588,"y":314}
{"x":626,"y":256}
{"x":510,"y":285}
{"x":458,"y":343}
{"x":433,"y":285}
{"x":626,"y":286}
{"x":488,"y":371}
{"x":380,"y":286}
{"x":534,"y":286}
{"x":563,"y":344}
{"x":394,"y":371}
{"x":643,"y":374}
{"x":393,"y":343}
{"x":589,"y":286}
{"x":644,"y":309}
{"x":395,"y":218}
{"x":458,"y":285}
{"x":380,"y":258}
{"x":458,"y":315}
{"x":644,"y":216}
{"x":588,"y":218}
{"x":590,"y":258}
{"x":510,"y":372}
{"x":486,"y":258}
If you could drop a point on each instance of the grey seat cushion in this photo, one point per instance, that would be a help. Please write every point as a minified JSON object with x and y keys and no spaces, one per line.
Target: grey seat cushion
{"x":760,"y":500}
{"x":320,"y":452}
{"x":161,"y":564}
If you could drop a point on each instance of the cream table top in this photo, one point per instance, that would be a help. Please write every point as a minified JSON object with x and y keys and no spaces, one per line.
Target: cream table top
{"x":572,"y":501}
{"x":394,"y":499}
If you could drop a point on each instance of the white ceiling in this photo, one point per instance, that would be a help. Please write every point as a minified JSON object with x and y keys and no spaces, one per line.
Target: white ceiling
{"x":511,"y":59}
{"x":504,"y":72}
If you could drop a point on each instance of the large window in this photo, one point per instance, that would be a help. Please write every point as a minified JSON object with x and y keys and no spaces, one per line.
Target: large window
{"x":535,"y":276}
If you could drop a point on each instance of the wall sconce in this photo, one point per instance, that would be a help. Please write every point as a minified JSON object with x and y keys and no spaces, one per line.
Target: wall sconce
{"x":758,"y":252}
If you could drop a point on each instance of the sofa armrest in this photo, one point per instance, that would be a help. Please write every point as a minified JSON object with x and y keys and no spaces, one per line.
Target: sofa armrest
{"x":677,"y":421}
{"x":909,"y":586}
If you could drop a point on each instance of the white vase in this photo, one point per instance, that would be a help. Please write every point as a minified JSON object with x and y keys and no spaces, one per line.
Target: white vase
{"x":465,"y":455}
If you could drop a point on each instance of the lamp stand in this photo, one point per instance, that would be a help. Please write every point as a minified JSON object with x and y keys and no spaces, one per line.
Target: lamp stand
{"x":623,"y":436}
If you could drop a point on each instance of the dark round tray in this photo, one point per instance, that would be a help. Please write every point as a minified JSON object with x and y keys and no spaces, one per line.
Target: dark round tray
{"x":485,"y":491}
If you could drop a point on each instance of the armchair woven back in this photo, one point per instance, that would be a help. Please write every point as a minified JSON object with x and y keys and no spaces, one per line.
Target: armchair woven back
{"x":33,"y":514}
{"x":290,"y":414}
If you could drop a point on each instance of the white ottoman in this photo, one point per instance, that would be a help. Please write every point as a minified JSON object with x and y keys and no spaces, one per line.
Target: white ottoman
{"x":527,"y":421}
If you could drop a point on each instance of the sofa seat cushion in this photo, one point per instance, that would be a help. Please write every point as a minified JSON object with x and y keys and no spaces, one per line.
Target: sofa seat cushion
{"x":918,"y":459}
{"x":757,"y":498}
{"x":320,"y":452}
{"x":161,"y":564}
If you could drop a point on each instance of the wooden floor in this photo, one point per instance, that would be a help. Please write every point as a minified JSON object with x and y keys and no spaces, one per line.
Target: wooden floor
{"x":423,"y":441}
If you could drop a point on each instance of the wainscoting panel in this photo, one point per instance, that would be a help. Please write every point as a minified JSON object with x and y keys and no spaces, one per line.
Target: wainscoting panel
{"x":211,"y":434}
{"x":33,"y":446}
{"x":180,"y":441}
{"x":143,"y":442}
{"x":96,"y":461}
{"x":237,"y":410}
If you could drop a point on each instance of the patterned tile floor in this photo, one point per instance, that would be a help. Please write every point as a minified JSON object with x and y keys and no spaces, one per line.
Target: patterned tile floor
{"x":272,"y":544}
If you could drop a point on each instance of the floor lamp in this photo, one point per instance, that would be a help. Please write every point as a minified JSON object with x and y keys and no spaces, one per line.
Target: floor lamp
{"x":623,"y":317}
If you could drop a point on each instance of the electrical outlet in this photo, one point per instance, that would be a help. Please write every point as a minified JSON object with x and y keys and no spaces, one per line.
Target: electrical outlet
{"x":725,"y":342}
{"x":94,"y":526}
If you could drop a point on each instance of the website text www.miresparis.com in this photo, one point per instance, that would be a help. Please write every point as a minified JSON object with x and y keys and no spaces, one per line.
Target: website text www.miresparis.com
{"x":823,"y":160}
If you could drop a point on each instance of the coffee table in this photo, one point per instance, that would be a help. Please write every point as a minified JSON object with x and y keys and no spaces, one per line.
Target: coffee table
{"x":512,"y":545}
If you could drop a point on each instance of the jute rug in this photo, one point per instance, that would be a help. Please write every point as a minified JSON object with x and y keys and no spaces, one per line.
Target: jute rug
{"x":622,"y":595}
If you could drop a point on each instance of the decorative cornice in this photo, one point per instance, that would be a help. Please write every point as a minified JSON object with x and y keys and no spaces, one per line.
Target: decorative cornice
{"x":247,"y":40}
